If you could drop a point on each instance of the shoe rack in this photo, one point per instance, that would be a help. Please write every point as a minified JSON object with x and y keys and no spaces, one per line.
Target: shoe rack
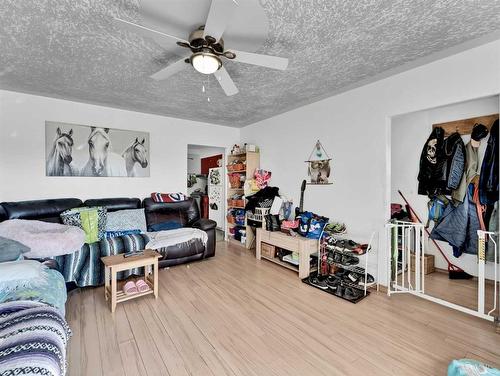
{"x":250,"y":161}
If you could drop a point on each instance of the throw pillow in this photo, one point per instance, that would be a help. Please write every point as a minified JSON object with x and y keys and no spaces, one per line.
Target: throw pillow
{"x":168,"y":197}
{"x":92,"y":220}
{"x":11,"y":250}
{"x":163,"y":226}
{"x":125,"y":220}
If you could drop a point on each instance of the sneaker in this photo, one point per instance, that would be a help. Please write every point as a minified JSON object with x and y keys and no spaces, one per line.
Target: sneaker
{"x":348,"y":260}
{"x":352,"y":294}
{"x":335,"y":228}
{"x":333,"y":282}
{"x":317,"y":282}
{"x":370,"y":281}
{"x":340,"y":291}
{"x":353,"y":277}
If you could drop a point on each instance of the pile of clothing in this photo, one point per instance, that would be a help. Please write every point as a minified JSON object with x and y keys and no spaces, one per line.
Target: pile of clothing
{"x":463,"y":190}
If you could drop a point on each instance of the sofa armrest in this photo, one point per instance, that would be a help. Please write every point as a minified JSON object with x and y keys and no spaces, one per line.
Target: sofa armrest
{"x":204,"y":224}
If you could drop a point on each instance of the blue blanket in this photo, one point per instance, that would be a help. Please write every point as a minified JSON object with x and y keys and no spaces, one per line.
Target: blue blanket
{"x":33,"y":339}
{"x":48,"y":287}
{"x":85,"y":267}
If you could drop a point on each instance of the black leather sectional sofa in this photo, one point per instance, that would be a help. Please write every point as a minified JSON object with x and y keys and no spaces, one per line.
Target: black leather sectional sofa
{"x":49,"y":210}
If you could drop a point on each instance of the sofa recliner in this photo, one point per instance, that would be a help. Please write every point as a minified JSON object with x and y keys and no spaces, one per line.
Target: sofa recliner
{"x":49,"y":210}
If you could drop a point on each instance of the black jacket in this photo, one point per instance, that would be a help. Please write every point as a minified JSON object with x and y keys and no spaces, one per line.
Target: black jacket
{"x":488,"y":180}
{"x":454,"y":150}
{"x":433,"y":165}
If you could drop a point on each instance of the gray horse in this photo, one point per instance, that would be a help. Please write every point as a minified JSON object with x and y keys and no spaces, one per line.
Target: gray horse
{"x":59,"y":161}
{"x":135,"y":153}
{"x":102,"y":162}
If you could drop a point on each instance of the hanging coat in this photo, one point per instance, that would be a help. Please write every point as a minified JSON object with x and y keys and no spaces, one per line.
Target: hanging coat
{"x":488,"y":180}
{"x":471,"y":171}
{"x":432,"y":172}
{"x":458,"y":226}
{"x":454,"y":150}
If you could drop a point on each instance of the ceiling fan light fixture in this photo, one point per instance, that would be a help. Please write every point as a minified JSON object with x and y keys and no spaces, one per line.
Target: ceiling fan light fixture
{"x":205,"y":62}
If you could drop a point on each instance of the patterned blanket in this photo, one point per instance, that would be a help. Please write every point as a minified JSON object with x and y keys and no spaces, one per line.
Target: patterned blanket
{"x":33,"y":339}
{"x":85,"y":268}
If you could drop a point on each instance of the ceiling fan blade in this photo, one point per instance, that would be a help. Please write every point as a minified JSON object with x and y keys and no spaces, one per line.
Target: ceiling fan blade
{"x":146,"y":31}
{"x":226,"y":82}
{"x":218,"y":16}
{"x":170,"y":70}
{"x":273,"y":62}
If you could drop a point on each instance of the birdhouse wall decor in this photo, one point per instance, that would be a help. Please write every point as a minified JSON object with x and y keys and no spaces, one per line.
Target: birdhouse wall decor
{"x":318,"y":165}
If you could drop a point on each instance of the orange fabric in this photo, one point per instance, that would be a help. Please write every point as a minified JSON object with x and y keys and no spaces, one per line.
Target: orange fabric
{"x":479,"y":208}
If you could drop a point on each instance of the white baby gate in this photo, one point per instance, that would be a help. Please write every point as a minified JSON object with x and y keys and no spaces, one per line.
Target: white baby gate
{"x":408,"y":239}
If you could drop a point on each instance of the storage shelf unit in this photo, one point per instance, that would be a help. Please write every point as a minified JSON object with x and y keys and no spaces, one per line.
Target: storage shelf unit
{"x":252,"y":161}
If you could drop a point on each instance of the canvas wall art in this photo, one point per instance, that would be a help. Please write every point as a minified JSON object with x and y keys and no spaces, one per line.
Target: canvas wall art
{"x":81,"y":150}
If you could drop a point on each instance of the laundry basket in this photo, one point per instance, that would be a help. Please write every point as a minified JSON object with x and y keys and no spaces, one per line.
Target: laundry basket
{"x":259,"y":214}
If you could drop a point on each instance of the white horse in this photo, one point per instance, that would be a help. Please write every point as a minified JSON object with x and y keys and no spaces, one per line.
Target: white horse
{"x":102,"y":162}
{"x":135,"y":153}
{"x":59,"y":161}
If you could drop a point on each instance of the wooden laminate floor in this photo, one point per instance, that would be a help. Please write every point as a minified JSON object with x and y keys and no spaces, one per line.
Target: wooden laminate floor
{"x":234,"y":315}
{"x":459,"y":291}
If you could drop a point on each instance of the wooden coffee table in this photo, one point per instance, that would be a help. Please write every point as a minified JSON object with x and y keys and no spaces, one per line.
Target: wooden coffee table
{"x":117,"y":263}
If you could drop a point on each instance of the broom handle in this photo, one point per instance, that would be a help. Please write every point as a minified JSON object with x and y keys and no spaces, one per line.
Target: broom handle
{"x":427,"y":231}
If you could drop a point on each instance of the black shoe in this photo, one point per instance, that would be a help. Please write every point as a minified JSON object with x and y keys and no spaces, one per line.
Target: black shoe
{"x":333,"y":282}
{"x":319,"y":283}
{"x":349,"y":260}
{"x":340,"y":290}
{"x":370,"y":281}
{"x":353,"y":277}
{"x":352,"y":294}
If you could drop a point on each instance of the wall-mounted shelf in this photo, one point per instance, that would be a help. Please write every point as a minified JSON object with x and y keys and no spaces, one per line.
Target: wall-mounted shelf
{"x":465,"y":126}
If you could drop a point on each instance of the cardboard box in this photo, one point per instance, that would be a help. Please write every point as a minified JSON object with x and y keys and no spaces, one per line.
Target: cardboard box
{"x":428,"y":263}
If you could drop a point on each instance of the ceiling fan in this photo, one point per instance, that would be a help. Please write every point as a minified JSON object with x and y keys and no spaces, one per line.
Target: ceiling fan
{"x":207,"y":52}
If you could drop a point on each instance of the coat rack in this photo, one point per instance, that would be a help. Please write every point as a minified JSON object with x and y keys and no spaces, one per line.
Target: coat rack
{"x":465,"y":126}
{"x":318,"y":165}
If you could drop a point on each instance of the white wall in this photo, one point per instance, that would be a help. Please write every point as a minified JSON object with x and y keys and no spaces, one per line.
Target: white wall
{"x":354,"y":128}
{"x":197,"y":152}
{"x":193,"y":163}
{"x":409,"y":133}
{"x":22,"y":140}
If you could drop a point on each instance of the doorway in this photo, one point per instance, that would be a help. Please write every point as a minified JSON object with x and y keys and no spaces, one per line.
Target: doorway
{"x":409,"y":134}
{"x":206,"y":182}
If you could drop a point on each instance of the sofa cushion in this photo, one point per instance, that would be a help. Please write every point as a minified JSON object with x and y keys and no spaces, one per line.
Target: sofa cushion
{"x":157,"y":212}
{"x":114,"y":203}
{"x":126,"y":220}
{"x":11,"y":250}
{"x":167,"y":225}
{"x":42,"y":210}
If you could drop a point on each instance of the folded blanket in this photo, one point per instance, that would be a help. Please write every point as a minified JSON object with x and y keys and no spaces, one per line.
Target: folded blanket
{"x":33,"y":339}
{"x":31,"y":280}
{"x":45,"y":239}
{"x":163,"y":239}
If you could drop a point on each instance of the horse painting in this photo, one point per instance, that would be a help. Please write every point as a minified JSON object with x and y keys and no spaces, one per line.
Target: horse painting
{"x":59,"y":161}
{"x":135,"y":154}
{"x":102,"y":161}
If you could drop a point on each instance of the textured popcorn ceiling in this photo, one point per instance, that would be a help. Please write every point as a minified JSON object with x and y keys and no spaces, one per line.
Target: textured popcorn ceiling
{"x":71,"y":49}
